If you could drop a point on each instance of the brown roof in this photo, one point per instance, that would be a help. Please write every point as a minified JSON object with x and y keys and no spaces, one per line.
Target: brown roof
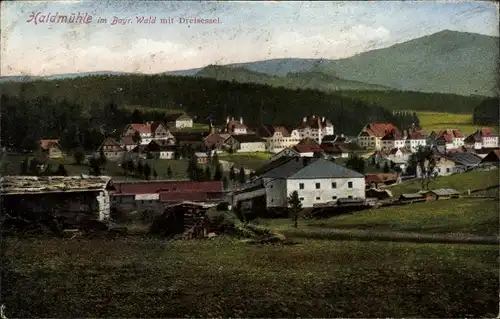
{"x":270,"y":130}
{"x":449,"y":135}
{"x":212,"y":139}
{"x":307,"y":145}
{"x":157,"y":186}
{"x":479,"y":134}
{"x":416,"y":135}
{"x":380,"y":129}
{"x":233,"y":125}
{"x":315,"y":122}
{"x":109,"y":141}
{"x":392,"y":136}
{"x":128,"y":140}
{"x":189,"y":136}
{"x":247,"y":138}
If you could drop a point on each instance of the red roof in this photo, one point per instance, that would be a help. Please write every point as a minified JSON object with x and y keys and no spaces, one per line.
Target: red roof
{"x":416,"y":135}
{"x":479,"y":134}
{"x":149,"y":187}
{"x":449,"y":135}
{"x":380,"y":129}
{"x":372,"y":178}
{"x":315,"y":122}
{"x":307,"y":148}
{"x":232,"y":125}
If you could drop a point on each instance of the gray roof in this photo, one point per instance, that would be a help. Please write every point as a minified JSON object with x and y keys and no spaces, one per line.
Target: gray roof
{"x":414,"y":195}
{"x":51,"y":184}
{"x":311,"y":168}
{"x":445,"y":191}
{"x":467,"y":159}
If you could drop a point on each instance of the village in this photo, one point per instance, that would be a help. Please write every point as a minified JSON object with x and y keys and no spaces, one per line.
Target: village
{"x":311,"y":160}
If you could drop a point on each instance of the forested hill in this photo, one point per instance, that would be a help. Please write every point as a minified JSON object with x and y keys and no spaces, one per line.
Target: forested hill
{"x":203,"y":98}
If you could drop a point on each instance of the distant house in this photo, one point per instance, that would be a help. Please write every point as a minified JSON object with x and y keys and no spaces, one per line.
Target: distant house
{"x":287,"y":152}
{"x":193,"y":139}
{"x":128,"y":143}
{"x":482,"y":138}
{"x":315,"y":127}
{"x":444,"y":167}
{"x":160,"y":150}
{"x":442,"y":193}
{"x":112,"y":149}
{"x":148,"y":131}
{"x":316,"y":181}
{"x":414,"y":140}
{"x":463,"y":160}
{"x":179,"y":120}
{"x":246,"y":143}
{"x":335,"y":139}
{"x":51,"y":148}
{"x":335,"y":150}
{"x":393,"y":139}
{"x":449,"y":139}
{"x":308,"y":148}
{"x":371,"y":135}
{"x":201,"y":158}
{"x":411,"y":198}
{"x":213,"y":141}
{"x":234,"y":127}
{"x":278,"y":137}
{"x":492,"y":157}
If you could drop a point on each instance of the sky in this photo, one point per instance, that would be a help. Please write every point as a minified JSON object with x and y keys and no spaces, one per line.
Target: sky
{"x":246,"y":31}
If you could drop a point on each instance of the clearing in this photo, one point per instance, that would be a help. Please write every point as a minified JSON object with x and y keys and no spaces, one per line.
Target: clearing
{"x":154,"y":278}
{"x":438,"y":121}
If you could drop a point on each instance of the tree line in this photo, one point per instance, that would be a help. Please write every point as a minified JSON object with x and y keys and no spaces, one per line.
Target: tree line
{"x":487,"y":113}
{"x":77,"y":109}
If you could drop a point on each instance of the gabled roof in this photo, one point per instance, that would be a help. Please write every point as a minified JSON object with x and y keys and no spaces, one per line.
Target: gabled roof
{"x":311,"y":168}
{"x":128,"y":140}
{"x":463,"y":158}
{"x":232,"y":125}
{"x":315,"y":122}
{"x":247,"y":138}
{"x":392,"y":136}
{"x":157,"y":146}
{"x":492,"y":157}
{"x":271,"y":130}
{"x":416,"y":135}
{"x":189,"y":136}
{"x":379,"y":129}
{"x":274,"y":163}
{"x":479,"y":134}
{"x":114,"y":144}
{"x":449,"y":135}
{"x":445,"y":191}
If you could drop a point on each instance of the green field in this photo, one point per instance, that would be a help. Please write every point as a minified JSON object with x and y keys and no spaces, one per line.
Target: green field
{"x":467,"y":216}
{"x":154,"y":278}
{"x":437,"y":121}
{"x":461,"y":182}
{"x":247,"y":160}
{"x":112,"y":168}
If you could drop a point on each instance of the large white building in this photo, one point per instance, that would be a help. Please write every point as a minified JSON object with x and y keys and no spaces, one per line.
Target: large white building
{"x":316,"y":181}
{"x":278,"y":137}
{"x":315,"y":127}
{"x":482,"y":138}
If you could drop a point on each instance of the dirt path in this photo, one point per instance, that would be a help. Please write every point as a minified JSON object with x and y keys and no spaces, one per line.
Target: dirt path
{"x":342,"y":234}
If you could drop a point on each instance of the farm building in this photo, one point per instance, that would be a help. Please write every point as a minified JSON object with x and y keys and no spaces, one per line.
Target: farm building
{"x":69,"y":199}
{"x":411,"y":198}
{"x":378,"y":193}
{"x":442,"y":193}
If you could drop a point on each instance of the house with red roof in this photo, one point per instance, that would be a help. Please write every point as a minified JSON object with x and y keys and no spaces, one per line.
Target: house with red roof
{"x":485,"y":137}
{"x":307,"y":148}
{"x":371,"y":135}
{"x":315,"y":127}
{"x":148,"y":131}
{"x":234,"y":127}
{"x":449,"y":139}
{"x":278,"y":137}
{"x":393,"y":139}
{"x":415,"y":139}
{"x":51,"y":148}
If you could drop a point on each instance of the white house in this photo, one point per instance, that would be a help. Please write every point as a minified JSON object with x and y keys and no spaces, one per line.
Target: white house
{"x":415,"y":140}
{"x":278,"y":137}
{"x":316,"y":181}
{"x":482,"y":138}
{"x":148,"y":131}
{"x":112,"y":149}
{"x":444,"y":167}
{"x":235,"y":127}
{"x":246,"y":143}
{"x":393,"y":139}
{"x":179,"y":120}
{"x":450,"y":139}
{"x":315,"y":127}
{"x":371,"y":135}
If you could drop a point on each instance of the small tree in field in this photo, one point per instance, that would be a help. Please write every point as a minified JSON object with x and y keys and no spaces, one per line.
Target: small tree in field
{"x":295,"y":206}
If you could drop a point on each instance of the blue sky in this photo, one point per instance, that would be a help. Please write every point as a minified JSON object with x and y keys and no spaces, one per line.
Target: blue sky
{"x":248,"y":31}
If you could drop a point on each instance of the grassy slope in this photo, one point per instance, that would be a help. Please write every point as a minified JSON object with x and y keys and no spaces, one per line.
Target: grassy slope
{"x":219,"y":278}
{"x":247,"y":160}
{"x":462,"y":182}
{"x":436,"y":121}
{"x":477,"y":216}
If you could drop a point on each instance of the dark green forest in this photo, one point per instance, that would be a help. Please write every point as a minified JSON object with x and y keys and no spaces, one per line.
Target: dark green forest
{"x":76,"y":110}
{"x":487,"y":113}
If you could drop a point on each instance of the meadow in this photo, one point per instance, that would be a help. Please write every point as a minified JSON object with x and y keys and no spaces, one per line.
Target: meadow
{"x":439,"y":121}
{"x":155,"y":278}
{"x":472,"y":180}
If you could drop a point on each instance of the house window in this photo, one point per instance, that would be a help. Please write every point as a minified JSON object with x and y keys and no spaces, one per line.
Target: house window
{"x":301,"y":198}
{"x":334,"y":185}
{"x":447,"y":170}
{"x":318,"y":185}
{"x":349,"y":184}
{"x":301,"y":186}
{"x":318,"y":198}
{"x":334,"y":197}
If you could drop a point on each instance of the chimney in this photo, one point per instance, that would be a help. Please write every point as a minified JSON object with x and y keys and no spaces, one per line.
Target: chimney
{"x":304,"y":119}
{"x":241,"y":119}
{"x":227,"y":120}
{"x":342,"y":135}
{"x":322,"y":119}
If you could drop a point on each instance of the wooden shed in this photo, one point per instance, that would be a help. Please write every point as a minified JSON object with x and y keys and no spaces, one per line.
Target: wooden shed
{"x":442,"y":193}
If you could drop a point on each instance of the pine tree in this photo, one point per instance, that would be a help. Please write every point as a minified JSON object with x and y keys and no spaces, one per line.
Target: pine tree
{"x":79,"y":155}
{"x":131,"y":166}
{"x":208,"y":174}
{"x":61,"y":170}
{"x":140,"y":168}
{"x":169,"y":172}
{"x":232,"y":174}
{"x":146,"y":171}
{"x":25,"y":166}
{"x":102,"y":158}
{"x":218,"y":173}
{"x":386,"y":168}
{"x":155,"y":174}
